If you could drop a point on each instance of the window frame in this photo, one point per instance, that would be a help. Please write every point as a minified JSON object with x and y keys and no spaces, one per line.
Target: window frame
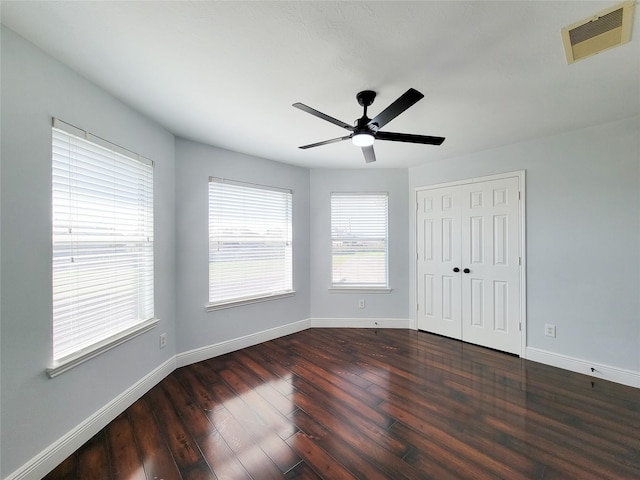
{"x":223,"y":303}
{"x":66,"y":187}
{"x":353,"y":287}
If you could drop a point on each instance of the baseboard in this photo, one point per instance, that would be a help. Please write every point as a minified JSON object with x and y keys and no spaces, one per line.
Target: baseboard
{"x":210,"y":351}
{"x":605,"y":372}
{"x":57,"y":452}
{"x":360,"y":322}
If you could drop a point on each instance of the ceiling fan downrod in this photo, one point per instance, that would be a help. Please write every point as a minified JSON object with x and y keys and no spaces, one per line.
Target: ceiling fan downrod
{"x":365,"y":99}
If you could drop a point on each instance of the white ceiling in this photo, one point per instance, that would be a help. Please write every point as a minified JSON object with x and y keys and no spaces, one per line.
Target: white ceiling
{"x":226,"y":73}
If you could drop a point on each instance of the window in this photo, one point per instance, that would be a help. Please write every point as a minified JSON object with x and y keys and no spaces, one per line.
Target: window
{"x":359,"y":238}
{"x":250,"y":243}
{"x":102,"y":237}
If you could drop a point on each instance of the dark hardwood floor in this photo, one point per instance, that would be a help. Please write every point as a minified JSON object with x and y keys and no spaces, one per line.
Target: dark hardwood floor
{"x":367,"y":404}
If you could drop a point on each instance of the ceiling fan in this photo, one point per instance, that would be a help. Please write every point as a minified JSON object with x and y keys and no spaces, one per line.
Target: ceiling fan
{"x":366,"y":129}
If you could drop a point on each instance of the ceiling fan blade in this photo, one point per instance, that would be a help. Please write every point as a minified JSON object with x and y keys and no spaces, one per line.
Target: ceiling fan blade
{"x":323,"y":116}
{"x":403,"y":102}
{"x":369,"y":154}
{"x":326,"y":142}
{"x":407,"y":137}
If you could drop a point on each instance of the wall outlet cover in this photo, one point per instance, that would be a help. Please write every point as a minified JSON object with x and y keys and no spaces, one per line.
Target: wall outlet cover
{"x":549,"y":330}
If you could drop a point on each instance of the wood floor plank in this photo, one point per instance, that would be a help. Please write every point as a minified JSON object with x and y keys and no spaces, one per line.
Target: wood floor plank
{"x":301,"y":471}
{"x":370,"y":464}
{"x":261,"y":420}
{"x":221,"y":393}
{"x":340,"y":363}
{"x":205,"y":372}
{"x":591,"y":402}
{"x":326,"y":379}
{"x":196,"y":389}
{"x":547,"y":452}
{"x":221,"y":459}
{"x":461,"y":463}
{"x":370,"y":404}
{"x":156,"y":457}
{"x":199,"y":471}
{"x":321,"y":462}
{"x":182,"y":445}
{"x":244,"y":379}
{"x":243,"y":445}
{"x":262,"y":367}
{"x":561,"y":426}
{"x":558,"y":451}
{"x":93,"y":459}
{"x":349,"y":401}
{"x":123,"y":450}
{"x":431,"y":469}
{"x":273,"y":359}
{"x":371,"y":440}
{"x":339,"y":450}
{"x":273,"y":419}
{"x":263,"y":425}
{"x":194,"y":418}
{"x":465,"y":452}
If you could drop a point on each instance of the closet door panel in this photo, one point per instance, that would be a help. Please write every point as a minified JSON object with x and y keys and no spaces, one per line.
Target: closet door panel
{"x":438,"y":245}
{"x":490,"y":252}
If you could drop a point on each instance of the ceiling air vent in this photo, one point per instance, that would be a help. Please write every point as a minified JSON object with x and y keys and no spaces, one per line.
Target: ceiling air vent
{"x":606,"y":29}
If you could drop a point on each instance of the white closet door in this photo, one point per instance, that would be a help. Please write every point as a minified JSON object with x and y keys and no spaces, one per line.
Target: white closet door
{"x":438,"y":243}
{"x":473,"y":228}
{"x":490,"y":253}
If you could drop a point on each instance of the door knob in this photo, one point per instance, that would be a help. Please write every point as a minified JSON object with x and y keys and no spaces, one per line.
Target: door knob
{"x":456,"y":269}
{"x":466,"y":270}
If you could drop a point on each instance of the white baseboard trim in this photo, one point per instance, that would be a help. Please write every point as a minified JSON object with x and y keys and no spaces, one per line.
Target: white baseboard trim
{"x":360,"y":322}
{"x":210,"y":351}
{"x":57,"y":452}
{"x":605,"y":372}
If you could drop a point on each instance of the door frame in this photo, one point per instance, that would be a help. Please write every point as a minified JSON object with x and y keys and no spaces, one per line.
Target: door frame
{"x":520,"y":175}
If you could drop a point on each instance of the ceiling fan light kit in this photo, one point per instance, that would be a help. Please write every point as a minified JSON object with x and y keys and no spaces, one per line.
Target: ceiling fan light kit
{"x":366,"y":130}
{"x":362,"y":139}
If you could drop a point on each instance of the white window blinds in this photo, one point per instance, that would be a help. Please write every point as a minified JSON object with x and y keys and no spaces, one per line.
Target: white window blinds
{"x":250,"y":242}
{"x":102,"y":244}
{"x":359,"y":238}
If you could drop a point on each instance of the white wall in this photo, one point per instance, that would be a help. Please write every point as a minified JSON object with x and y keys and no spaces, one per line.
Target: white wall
{"x":195,"y":163}
{"x":583,"y":236}
{"x":325,"y":304}
{"x":36,"y":410}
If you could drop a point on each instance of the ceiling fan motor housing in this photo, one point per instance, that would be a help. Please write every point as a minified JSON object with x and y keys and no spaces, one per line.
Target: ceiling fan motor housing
{"x":363,"y":125}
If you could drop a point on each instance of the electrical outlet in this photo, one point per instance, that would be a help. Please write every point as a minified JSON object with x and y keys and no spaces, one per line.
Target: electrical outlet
{"x":163,"y":340}
{"x":550,"y":330}
{"x":361,"y":303}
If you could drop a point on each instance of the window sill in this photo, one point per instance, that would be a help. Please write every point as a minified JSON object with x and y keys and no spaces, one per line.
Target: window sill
{"x":88,"y":353}
{"x":212,"y":307}
{"x":359,"y":290}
